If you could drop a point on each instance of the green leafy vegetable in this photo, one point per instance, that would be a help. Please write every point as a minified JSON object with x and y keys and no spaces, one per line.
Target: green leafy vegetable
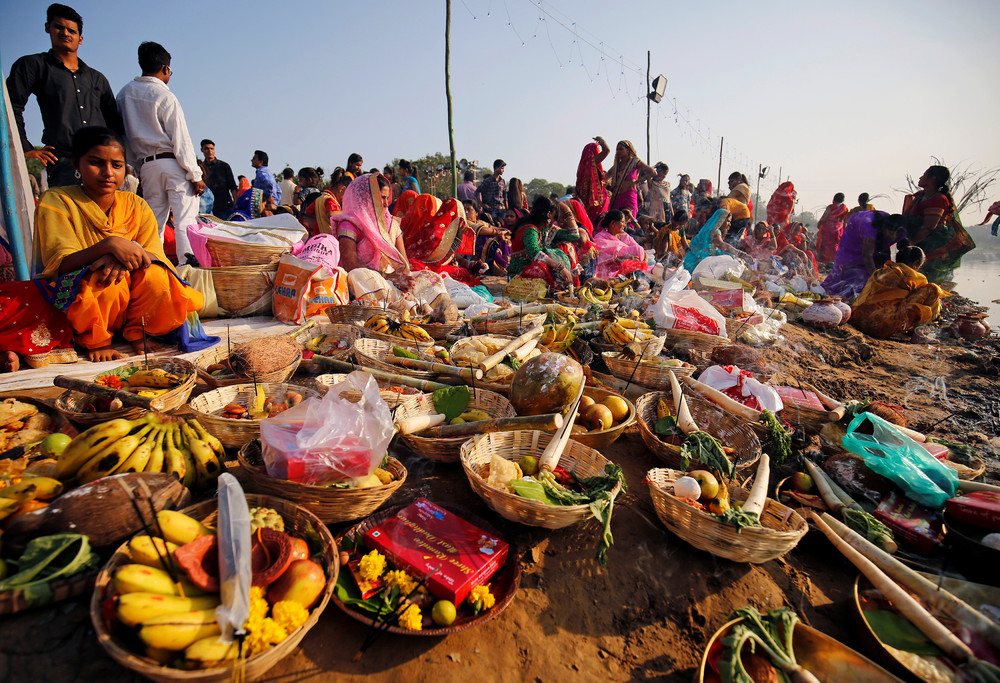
{"x":899,"y":632}
{"x":48,"y":558}
{"x":869,"y":527}
{"x":533,"y":490}
{"x":667,"y":426}
{"x":560,"y":493}
{"x":452,"y":401}
{"x":739,"y":518}
{"x":779,"y":441}
{"x":704,"y":448}
{"x":773,"y":633}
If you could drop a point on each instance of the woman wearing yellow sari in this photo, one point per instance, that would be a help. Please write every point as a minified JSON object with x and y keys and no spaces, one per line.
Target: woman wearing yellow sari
{"x":897,"y":298}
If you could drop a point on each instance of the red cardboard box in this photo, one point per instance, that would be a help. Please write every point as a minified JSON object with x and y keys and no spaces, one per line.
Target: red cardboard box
{"x":729,"y":299}
{"x":799,"y":397}
{"x":423,"y":536}
{"x":919,"y":527}
{"x":979,"y":508}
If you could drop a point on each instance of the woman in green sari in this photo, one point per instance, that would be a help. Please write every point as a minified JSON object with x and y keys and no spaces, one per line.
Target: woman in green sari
{"x":935,"y":226}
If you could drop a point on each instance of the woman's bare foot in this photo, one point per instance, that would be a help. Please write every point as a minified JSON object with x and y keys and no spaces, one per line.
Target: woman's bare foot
{"x":151,"y":346}
{"x":103,"y":354}
{"x":9,"y":362}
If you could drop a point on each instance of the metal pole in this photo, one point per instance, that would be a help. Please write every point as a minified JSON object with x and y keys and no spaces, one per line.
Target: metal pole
{"x":9,"y":205}
{"x":649,"y":104}
{"x":760,"y":167}
{"x":718,"y":181}
{"x":447,"y":90}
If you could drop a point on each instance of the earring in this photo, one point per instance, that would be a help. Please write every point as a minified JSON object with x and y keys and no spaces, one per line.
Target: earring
{"x":76,"y":174}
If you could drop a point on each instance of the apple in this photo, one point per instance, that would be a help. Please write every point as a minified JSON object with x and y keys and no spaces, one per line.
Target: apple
{"x":586,"y":401}
{"x":618,"y":407}
{"x":303,"y":582}
{"x":708,"y":483}
{"x":596,"y":417}
{"x":802,"y":482}
{"x":300,"y":549}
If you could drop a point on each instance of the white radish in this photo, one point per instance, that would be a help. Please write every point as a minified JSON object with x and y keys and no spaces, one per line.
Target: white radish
{"x":758,"y":492}
{"x":417,"y":423}
{"x":725,"y":402}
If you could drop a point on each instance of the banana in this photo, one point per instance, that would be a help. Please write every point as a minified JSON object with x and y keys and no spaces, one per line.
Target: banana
{"x":178,"y":630}
{"x":32,"y":488}
{"x":108,"y":460}
{"x":8,"y":506}
{"x":143,"y":550}
{"x":133,"y":609}
{"x":157,"y":378}
{"x":176,"y":460}
{"x":86,"y":445}
{"x":212,"y":441}
{"x":161,"y":656}
{"x":179,"y":528}
{"x":139,"y":459}
{"x":138,"y":578}
{"x":633,"y":323}
{"x":475,"y":415}
{"x":155,"y":462}
{"x":206,"y":463}
{"x":210,"y":652}
{"x":548,"y":335}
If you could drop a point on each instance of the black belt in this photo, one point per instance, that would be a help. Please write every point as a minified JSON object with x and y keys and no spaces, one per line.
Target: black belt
{"x":159,"y":155}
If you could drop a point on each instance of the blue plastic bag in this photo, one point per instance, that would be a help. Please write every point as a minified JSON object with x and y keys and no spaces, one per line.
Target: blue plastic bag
{"x":902,"y":460}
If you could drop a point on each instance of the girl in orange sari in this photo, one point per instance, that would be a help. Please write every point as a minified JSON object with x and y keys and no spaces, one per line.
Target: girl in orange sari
{"x":831,"y":227}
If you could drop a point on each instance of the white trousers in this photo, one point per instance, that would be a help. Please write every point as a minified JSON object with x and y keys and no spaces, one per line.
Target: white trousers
{"x":166,"y":189}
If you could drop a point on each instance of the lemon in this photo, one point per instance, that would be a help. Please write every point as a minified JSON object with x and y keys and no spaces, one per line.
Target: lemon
{"x":528,"y":465}
{"x":443,"y":613}
{"x":55,"y":444}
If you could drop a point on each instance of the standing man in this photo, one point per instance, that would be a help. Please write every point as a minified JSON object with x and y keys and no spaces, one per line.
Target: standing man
{"x":264,"y":180}
{"x":493,"y":191}
{"x":160,"y":147}
{"x":288,"y":187}
{"x":70,"y":95}
{"x":219,"y":178}
{"x":467,"y":190}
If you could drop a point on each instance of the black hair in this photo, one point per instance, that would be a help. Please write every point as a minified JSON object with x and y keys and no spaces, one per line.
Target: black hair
{"x":838,"y":198}
{"x":570,"y":189}
{"x":680,"y":215}
{"x":319,"y":171}
{"x":287,"y":173}
{"x":57,"y":11}
{"x":354,"y":158}
{"x":88,"y":137}
{"x":941,"y":176}
{"x":342,"y":180}
{"x":473,"y":203}
{"x":382,"y":180}
{"x":610,"y":217}
{"x":308,"y":172}
{"x":261,"y":155}
{"x":406,"y":166}
{"x":540,"y":210}
{"x":152,"y":57}
{"x":241,"y":177}
{"x":337,"y":174}
{"x":498,"y":163}
{"x":736,"y":175}
{"x":909,"y":256}
{"x":660,"y":166}
{"x":863,"y":198}
{"x":469,"y":175}
{"x":206,"y":141}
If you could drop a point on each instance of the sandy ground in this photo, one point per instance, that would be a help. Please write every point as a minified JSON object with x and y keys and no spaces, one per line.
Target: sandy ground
{"x":645,"y":617}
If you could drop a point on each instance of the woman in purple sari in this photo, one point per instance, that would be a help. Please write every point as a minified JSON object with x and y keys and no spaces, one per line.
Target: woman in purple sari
{"x":863,"y":249}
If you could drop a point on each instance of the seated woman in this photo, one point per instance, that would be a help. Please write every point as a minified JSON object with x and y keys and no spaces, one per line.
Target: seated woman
{"x":710,"y":240}
{"x":897,"y":298}
{"x":864,"y":248}
{"x":671,"y":244}
{"x":492,"y":243}
{"x":530,"y":257}
{"x":617,"y":252}
{"x":327,"y":204}
{"x":794,"y":252}
{"x":760,"y":242}
{"x":438,"y":238}
{"x":736,"y":204}
{"x":937,"y":230}
{"x":99,"y":260}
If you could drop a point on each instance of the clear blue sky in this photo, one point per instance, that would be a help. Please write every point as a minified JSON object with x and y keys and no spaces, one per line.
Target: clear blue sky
{"x":847,"y":96}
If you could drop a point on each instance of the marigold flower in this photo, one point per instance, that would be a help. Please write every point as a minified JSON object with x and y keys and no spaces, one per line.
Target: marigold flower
{"x":268,"y":632}
{"x":411,"y":618}
{"x":482,"y":595}
{"x":402,"y":579}
{"x":372,"y":565}
{"x":289,"y":614}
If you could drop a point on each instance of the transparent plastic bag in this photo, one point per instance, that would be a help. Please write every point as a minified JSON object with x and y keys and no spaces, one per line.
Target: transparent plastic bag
{"x":235,"y":572}
{"x":329,"y":439}
{"x":897,"y":457}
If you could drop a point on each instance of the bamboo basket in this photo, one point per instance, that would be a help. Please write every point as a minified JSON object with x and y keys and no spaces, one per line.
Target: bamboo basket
{"x":220,"y":353}
{"x":234,"y":433}
{"x":13,"y":601}
{"x":730,"y":430}
{"x":331,"y":505}
{"x":73,"y":406}
{"x":352,"y":314}
{"x":392,"y":398}
{"x":688,"y":340}
{"x":811,"y":419}
{"x":238,"y":287}
{"x":651,"y":373}
{"x":476,"y":455}
{"x":371,"y":353}
{"x":421,"y":346}
{"x":781,"y":527}
{"x":299,"y":521}
{"x":449,"y":449}
{"x":228,"y":254}
{"x":350,"y":333}
{"x":513,"y":327}
{"x":606,"y":437}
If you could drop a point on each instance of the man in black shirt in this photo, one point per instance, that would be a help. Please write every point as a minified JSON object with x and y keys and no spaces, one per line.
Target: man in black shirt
{"x":70,"y":94}
{"x":220,"y":180}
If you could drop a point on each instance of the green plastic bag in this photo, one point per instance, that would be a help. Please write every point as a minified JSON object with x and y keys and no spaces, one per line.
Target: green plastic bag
{"x":902,"y":460}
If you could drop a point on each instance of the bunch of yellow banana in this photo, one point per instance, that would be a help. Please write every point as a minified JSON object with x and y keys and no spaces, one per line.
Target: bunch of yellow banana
{"x":383,"y":325}
{"x":624,"y":287}
{"x":24,"y":489}
{"x":557,"y":338}
{"x":595,"y":296}
{"x":157,"y":378}
{"x":621,"y":331}
{"x":380,"y":324}
{"x":154,"y":442}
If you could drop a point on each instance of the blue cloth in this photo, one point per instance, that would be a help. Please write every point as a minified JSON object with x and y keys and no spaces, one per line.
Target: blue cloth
{"x":410,"y":183}
{"x":190,"y":336}
{"x":483,"y":292}
{"x":206,"y":203}
{"x":248,"y":205}
{"x":264,"y":180}
{"x":701,"y":244}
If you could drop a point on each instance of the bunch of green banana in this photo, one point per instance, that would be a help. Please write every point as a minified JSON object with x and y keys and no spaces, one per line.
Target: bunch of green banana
{"x":154,"y":442}
{"x":595,"y":296}
{"x":380,"y":324}
{"x":621,"y":331}
{"x":558,"y":338}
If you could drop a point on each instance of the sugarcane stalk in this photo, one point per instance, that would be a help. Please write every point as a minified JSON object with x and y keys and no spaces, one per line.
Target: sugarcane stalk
{"x":491,"y":362}
{"x":439,"y":368}
{"x":549,"y":458}
{"x":543,"y":423}
{"x":404,"y":380}
{"x":509,"y":313}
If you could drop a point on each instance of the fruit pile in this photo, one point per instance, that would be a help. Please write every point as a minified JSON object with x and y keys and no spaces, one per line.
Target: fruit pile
{"x":22,"y":424}
{"x":596,"y":417}
{"x":325,"y":345}
{"x":164,"y":600}
{"x":261,"y":406}
{"x":558,"y":338}
{"x":154,"y":442}
{"x":621,"y":331}
{"x":405,"y":330}
{"x":26,"y":492}
{"x":147,"y":383}
{"x":701,"y":489}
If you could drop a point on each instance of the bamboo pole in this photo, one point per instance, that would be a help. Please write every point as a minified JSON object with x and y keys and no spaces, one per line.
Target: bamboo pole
{"x":544,"y":423}
{"x":430,"y":366}
{"x":406,"y":381}
{"x":447,"y":94}
{"x":101,"y":391}
{"x":492,"y":361}
{"x":549,"y":458}
{"x":509,"y":313}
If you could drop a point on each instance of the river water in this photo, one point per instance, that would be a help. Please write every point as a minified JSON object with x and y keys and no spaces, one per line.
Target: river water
{"x":979,"y":278}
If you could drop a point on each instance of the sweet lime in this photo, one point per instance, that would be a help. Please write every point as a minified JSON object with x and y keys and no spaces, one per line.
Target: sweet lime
{"x":528,"y":465}
{"x":443,"y":613}
{"x":55,"y":444}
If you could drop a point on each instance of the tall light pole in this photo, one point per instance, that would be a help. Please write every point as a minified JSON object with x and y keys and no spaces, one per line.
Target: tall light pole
{"x":761,"y":173}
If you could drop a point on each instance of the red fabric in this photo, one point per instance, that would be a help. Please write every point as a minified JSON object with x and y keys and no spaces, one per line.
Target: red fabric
{"x":169,"y":242}
{"x":29,"y":324}
{"x":590,"y":183}
{"x":830,"y":232}
{"x":425,"y":225}
{"x":582,"y":219}
{"x":540,"y":271}
{"x":798,"y":240}
{"x":403,"y":203}
{"x":780,"y":206}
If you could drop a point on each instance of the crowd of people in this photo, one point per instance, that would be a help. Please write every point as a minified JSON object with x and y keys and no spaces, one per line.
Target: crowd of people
{"x":104,"y":257}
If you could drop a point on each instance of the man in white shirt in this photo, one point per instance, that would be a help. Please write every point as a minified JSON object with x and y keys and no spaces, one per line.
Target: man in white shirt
{"x":288,"y":188}
{"x":160,"y":147}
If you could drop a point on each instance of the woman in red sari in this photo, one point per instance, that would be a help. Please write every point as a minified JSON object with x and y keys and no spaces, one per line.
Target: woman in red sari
{"x":831,"y":227}
{"x":793,"y":249}
{"x":591,"y":188}
{"x":438,"y":238}
{"x":781,"y":205}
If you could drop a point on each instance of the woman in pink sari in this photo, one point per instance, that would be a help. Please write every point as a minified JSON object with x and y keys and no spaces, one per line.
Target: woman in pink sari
{"x":831,"y":227}
{"x":367,"y":235}
{"x":590,"y":180}
{"x":624,"y":176}
{"x":617,"y":252}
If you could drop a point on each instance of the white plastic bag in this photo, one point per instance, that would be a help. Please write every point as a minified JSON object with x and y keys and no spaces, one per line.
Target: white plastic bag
{"x":235,"y":571}
{"x":462,"y":294}
{"x":329,"y":439}
{"x":723,"y":377}
{"x":765,"y":332}
{"x":682,"y":309}
{"x":718,"y":268}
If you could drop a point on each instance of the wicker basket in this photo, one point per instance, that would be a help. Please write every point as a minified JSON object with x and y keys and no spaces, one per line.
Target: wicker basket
{"x":730,"y":430}
{"x":329,"y":504}
{"x":449,"y":449}
{"x":220,"y":353}
{"x":73,"y":406}
{"x":13,"y":601}
{"x":687,"y":340}
{"x":352,"y":314}
{"x":653,"y":373}
{"x":231,"y":432}
{"x":371,"y":353}
{"x":512,"y":326}
{"x":606,"y":437}
{"x":810,"y":419}
{"x":350,"y":333}
{"x":228,"y":254}
{"x":299,"y":521}
{"x":244,"y":290}
{"x":420,"y":346}
{"x":479,"y":450}
{"x":780,"y":531}
{"x":392,"y":398}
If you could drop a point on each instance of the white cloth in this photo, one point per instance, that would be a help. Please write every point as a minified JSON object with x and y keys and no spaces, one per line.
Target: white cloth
{"x":724,"y":377}
{"x":154,"y":123}
{"x":166,"y":188}
{"x":288,"y":188}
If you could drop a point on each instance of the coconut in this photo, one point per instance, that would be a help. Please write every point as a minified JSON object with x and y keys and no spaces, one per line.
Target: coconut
{"x":260,"y":356}
{"x":547,"y":383}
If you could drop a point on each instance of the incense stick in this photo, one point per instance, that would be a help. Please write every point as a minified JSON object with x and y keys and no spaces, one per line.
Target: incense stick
{"x":380,"y":624}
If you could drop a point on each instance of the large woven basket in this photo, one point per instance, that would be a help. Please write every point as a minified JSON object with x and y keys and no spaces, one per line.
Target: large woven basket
{"x":606,"y":437}
{"x":392,"y":397}
{"x":651,"y":372}
{"x":231,"y":432}
{"x":244,"y":290}
{"x":347,"y":332}
{"x":449,"y":449}
{"x":689,"y":340}
{"x":228,"y":254}
{"x":730,"y":430}
{"x":479,"y":450}
{"x":781,"y":527}
{"x":298,"y":521}
{"x":372,"y":353}
{"x":329,"y":504}
{"x":512,"y":326}
{"x":422,"y":346}
{"x":352,"y":314}
{"x":220,"y":354}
